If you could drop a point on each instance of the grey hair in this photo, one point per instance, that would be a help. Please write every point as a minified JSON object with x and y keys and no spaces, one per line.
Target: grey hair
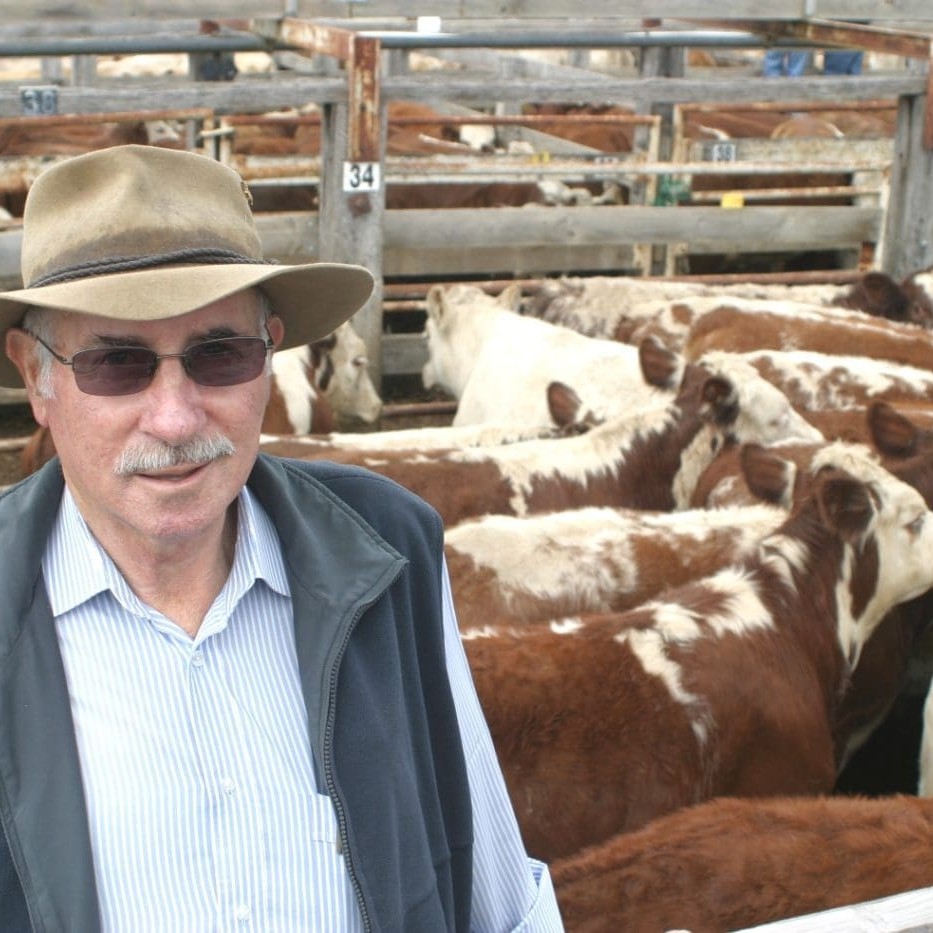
{"x":41,"y":323}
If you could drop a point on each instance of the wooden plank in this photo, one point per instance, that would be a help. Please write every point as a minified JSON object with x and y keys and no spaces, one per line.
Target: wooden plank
{"x":516,"y":240}
{"x":260,"y":93}
{"x":474,"y":90}
{"x":351,"y":225}
{"x":708,"y":229}
{"x":474,"y":9}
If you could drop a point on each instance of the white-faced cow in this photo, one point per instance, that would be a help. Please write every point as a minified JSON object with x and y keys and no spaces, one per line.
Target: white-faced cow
{"x":316,"y":384}
{"x":497,"y":363}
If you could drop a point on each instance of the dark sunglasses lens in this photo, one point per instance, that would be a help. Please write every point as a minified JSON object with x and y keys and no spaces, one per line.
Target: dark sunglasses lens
{"x":114,"y":370}
{"x":227,"y":361}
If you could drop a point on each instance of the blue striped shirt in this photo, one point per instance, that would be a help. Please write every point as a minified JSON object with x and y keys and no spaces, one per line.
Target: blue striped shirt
{"x":203,"y":806}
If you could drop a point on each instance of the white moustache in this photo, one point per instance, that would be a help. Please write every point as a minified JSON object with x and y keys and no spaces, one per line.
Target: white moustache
{"x":155,"y":456}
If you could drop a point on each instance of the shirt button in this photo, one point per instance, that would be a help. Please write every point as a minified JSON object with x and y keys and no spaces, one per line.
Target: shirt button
{"x":197,"y":659}
{"x":228,"y":785}
{"x":242,"y":913}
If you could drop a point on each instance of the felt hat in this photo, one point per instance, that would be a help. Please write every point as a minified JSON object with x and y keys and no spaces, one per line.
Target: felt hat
{"x":142,"y":233}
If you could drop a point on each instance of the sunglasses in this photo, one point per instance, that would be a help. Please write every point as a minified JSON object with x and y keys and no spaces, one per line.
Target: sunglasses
{"x":223,"y":361}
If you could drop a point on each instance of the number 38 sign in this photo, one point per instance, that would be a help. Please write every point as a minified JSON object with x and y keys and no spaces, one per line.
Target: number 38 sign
{"x":361,"y":176}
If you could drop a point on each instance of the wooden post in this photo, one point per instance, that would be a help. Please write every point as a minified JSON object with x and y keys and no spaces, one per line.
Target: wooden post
{"x":352,"y":186}
{"x":350,"y":222}
{"x":908,"y":233}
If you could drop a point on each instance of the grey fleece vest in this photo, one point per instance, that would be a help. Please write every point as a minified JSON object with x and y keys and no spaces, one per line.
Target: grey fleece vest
{"x":363,"y":558}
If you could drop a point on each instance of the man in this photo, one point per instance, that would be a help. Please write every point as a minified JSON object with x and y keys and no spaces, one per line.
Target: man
{"x":842,"y":61}
{"x":232,"y":693}
{"x":783,"y":63}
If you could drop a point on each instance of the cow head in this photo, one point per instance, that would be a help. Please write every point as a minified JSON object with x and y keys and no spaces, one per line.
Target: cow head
{"x":455,"y":328}
{"x":341,"y":372}
{"x":886,"y":531}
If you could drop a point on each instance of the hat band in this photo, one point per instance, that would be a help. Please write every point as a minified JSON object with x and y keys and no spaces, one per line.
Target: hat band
{"x":128,"y":264}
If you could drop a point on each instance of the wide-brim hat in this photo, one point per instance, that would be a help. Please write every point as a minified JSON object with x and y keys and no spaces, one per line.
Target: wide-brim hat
{"x":141,"y":233}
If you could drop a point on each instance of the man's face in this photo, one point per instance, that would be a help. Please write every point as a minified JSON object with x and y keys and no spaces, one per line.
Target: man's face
{"x":169,"y":506}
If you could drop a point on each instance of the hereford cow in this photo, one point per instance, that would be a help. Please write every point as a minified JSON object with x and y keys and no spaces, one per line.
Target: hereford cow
{"x":329,"y":377}
{"x":740,"y":326}
{"x":897,"y":433}
{"x":649,"y":459}
{"x":726,"y":686}
{"x":540,"y":567}
{"x":731,"y":864}
{"x":497,"y":363}
{"x":623,"y":307}
{"x":814,"y":381}
{"x":896,"y":656}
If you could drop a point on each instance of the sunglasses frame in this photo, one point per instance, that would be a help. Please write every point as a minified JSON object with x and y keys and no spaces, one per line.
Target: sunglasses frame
{"x":185,"y":358}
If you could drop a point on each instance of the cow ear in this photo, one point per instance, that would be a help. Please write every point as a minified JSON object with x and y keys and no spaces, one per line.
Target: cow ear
{"x":720,"y":401}
{"x":563,"y":403}
{"x":660,"y":367}
{"x":893,"y":434}
{"x":768,"y":476}
{"x":511,"y":297}
{"x":845,"y":506}
{"x":435,"y":302}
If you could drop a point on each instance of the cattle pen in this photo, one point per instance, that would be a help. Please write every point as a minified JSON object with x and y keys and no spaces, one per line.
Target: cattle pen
{"x":351,"y":70}
{"x":489,"y":146}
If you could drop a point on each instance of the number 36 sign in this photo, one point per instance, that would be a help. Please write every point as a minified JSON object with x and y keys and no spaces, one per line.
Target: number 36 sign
{"x":361,"y":176}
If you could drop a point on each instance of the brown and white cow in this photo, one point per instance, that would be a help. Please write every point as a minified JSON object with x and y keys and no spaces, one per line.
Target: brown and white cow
{"x":896,"y":658}
{"x":814,"y":381}
{"x":536,"y":568}
{"x":725,"y":686}
{"x":316,"y":384}
{"x":649,"y":459}
{"x":742,"y":325}
{"x":898,"y":433}
{"x":731,"y":864}
{"x":626,"y":307}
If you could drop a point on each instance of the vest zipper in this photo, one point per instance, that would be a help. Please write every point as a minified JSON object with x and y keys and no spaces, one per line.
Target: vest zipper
{"x":344,"y":837}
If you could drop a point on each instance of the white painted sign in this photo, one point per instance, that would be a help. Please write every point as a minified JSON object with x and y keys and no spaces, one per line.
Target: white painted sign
{"x":362,"y":176}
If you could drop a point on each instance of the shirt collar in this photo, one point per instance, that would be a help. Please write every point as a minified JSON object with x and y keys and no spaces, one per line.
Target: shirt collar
{"x":77,"y":568}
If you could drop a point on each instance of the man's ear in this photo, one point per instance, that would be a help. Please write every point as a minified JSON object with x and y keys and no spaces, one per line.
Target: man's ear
{"x":21,"y":349}
{"x":276,"y":329}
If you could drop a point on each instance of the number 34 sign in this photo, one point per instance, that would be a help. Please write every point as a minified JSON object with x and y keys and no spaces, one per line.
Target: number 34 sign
{"x":361,"y":176}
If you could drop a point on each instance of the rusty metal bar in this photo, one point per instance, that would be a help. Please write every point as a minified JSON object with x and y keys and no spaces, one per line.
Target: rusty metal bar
{"x":820,"y":32}
{"x":118,"y":116}
{"x":768,"y":106}
{"x":361,"y":55}
{"x":364,"y":130}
